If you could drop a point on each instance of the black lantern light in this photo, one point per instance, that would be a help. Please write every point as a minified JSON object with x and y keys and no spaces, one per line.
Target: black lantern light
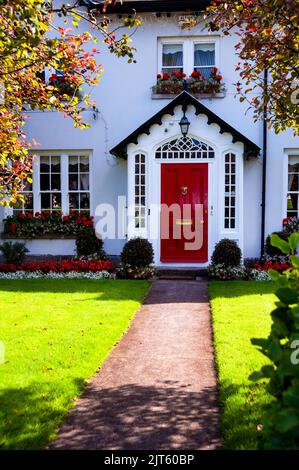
{"x":184,"y":125}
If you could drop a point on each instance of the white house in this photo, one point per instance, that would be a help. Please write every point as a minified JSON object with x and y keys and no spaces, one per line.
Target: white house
{"x":135,"y":158}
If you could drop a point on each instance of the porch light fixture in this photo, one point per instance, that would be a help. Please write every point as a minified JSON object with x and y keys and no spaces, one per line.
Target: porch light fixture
{"x":184,"y":125}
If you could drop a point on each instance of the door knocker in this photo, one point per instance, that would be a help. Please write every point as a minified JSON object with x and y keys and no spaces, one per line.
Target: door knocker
{"x":184,"y":190}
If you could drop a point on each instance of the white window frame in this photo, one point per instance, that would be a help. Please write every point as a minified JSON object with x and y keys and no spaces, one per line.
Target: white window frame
{"x":64,"y":173}
{"x":188,"y":50}
{"x":291,"y":155}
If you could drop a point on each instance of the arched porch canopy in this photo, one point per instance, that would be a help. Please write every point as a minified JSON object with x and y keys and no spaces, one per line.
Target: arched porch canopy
{"x":185,"y":99}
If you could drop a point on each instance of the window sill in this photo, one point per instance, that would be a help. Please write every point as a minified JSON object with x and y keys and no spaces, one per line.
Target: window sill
{"x":54,"y":236}
{"x":201,"y":96}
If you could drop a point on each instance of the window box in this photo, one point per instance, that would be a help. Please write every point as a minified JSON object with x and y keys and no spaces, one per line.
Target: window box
{"x":197,"y":84}
{"x":46,"y":225}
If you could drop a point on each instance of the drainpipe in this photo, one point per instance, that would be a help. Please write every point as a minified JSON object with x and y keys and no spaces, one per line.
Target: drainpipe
{"x":264,"y":177}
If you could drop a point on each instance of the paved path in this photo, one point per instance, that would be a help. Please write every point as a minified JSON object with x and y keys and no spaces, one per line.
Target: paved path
{"x":157,"y":389}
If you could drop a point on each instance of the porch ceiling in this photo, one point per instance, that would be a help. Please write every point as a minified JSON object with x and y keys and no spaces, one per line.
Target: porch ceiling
{"x":185,"y":99}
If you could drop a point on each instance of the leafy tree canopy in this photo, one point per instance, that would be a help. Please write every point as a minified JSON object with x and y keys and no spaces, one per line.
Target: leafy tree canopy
{"x":30,"y":43}
{"x":268,"y":33}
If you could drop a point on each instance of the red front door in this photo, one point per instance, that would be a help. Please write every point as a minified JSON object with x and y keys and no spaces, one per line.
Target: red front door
{"x":184,"y":212}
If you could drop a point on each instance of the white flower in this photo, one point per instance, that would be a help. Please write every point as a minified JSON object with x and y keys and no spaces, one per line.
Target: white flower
{"x":54,"y":275}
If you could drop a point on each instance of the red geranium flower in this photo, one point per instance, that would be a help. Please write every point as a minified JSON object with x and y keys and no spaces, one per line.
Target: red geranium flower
{"x":12,"y":228}
{"x":219,"y":77}
{"x":29,"y":216}
{"x":165,"y":76}
{"x":159,"y":76}
{"x":21,"y":215}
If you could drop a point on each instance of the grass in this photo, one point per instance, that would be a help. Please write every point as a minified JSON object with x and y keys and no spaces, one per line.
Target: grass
{"x":240,"y":311}
{"x":56,"y":334}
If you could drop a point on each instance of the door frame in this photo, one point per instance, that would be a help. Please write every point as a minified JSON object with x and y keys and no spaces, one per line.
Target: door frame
{"x":154,"y":198}
{"x":180,"y":259}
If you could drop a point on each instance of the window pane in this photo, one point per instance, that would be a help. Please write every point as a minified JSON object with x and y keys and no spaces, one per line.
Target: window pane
{"x":172,"y":55}
{"x":45,"y":201}
{"x":84,"y":164}
{"x":84,"y":201}
{"x":44,"y":182}
{"x":28,"y":204}
{"x":56,"y":201}
{"x":73,"y":164}
{"x":293,"y":202}
{"x":55,"y":182}
{"x":44,"y":164}
{"x":55,"y":164}
{"x":294,"y":168}
{"x":74,"y":200}
{"x":84,"y":182}
{"x":204,"y":55}
{"x":73,"y":181}
{"x":293,"y":182}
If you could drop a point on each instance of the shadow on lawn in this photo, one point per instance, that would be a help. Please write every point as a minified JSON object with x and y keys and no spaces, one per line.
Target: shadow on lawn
{"x":136,"y":417}
{"x":108,"y":289}
{"x":28,"y":416}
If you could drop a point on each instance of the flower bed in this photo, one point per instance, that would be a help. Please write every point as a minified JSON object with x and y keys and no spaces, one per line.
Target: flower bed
{"x":196,"y":83}
{"x":31,"y":226}
{"x":54,"y":275}
{"x":65,"y":266}
{"x":279,"y":266}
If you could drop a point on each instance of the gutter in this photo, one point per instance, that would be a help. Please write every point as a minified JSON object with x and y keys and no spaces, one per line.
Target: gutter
{"x":264,"y":177}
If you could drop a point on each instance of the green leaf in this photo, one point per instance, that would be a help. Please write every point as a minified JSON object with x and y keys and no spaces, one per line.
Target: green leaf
{"x":295,"y":261}
{"x":287,"y":296}
{"x":279,"y":243}
{"x":286,"y":420}
{"x":294,"y":241}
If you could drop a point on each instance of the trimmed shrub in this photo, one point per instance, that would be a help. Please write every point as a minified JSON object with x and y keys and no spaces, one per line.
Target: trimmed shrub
{"x":87,"y":244}
{"x":271,"y":250}
{"x":227,"y":253}
{"x":137,"y":253}
{"x":14,"y":252}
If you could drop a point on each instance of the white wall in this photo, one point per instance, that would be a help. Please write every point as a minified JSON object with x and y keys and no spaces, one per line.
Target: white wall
{"x":124,"y":101}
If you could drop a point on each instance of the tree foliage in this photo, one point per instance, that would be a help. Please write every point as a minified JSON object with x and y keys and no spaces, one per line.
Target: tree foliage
{"x":268,"y":33}
{"x":36,"y":35}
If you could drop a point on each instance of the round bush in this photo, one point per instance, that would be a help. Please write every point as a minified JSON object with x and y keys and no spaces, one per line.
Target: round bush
{"x":272,"y":250}
{"x":137,"y":253}
{"x":227,"y":252}
{"x":87,"y":243}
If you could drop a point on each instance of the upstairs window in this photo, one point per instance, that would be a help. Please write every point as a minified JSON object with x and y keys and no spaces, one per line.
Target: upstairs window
{"x":199,"y":54}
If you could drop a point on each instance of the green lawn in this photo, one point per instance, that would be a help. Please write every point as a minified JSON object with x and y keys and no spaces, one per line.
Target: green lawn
{"x":56,"y":334}
{"x":240,"y":311}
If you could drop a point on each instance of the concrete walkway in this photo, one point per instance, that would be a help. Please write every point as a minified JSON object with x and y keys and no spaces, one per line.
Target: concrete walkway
{"x":157,"y":389}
